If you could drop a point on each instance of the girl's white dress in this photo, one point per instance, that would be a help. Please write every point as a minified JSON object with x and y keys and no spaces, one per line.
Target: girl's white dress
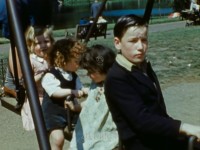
{"x":38,"y":65}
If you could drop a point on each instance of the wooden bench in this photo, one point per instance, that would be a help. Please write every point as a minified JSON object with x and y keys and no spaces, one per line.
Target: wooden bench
{"x":82,"y":31}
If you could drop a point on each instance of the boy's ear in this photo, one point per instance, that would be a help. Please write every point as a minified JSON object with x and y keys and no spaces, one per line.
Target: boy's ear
{"x":117,"y":43}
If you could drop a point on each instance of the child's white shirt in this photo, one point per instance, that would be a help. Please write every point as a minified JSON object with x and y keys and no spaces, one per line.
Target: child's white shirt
{"x":51,"y":84}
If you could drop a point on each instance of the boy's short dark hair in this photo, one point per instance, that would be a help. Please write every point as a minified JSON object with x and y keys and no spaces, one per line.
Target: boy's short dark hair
{"x":124,"y":22}
{"x":98,"y":58}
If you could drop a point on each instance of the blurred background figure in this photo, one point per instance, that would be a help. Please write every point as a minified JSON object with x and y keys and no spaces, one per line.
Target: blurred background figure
{"x":101,"y":20}
{"x":57,"y":5}
{"x":31,"y":12}
{"x":194,"y":6}
{"x":3,"y":19}
{"x":96,"y":5}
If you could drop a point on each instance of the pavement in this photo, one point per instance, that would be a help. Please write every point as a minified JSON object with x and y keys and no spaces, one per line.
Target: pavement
{"x":166,"y":26}
{"x":182,"y":101}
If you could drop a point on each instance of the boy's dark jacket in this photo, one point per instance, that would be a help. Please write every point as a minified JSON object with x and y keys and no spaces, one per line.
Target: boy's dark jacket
{"x":138,"y":109}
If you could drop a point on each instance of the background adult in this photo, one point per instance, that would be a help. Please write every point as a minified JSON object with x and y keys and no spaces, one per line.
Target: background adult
{"x":31,"y":12}
{"x":3,"y":19}
{"x":95,"y":7}
{"x":194,"y":6}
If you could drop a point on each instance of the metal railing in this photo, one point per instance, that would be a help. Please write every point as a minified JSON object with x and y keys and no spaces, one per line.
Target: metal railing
{"x":3,"y":67}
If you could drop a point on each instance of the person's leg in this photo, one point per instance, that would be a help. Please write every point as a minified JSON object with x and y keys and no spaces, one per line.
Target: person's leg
{"x":57,"y":139}
{"x":20,"y":90}
{"x":11,"y":65}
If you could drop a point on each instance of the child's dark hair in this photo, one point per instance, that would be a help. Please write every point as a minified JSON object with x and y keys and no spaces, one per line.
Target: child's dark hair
{"x":124,"y":22}
{"x":63,"y":50}
{"x":98,"y":58}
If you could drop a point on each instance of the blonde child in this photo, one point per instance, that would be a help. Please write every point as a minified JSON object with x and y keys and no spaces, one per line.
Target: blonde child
{"x":39,"y":41}
{"x":60,"y":82}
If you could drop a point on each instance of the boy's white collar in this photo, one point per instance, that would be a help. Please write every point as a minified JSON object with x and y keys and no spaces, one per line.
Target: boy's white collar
{"x":124,"y":62}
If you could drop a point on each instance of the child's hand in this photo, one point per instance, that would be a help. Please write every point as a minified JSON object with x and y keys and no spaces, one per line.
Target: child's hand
{"x":77,"y":93}
{"x":73,"y":107}
{"x":85,"y":91}
{"x":190,"y":130}
{"x":70,"y":105}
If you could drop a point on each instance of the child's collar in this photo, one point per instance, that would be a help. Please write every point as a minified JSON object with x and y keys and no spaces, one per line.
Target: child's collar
{"x":62,"y":71}
{"x":124,"y":62}
{"x":40,"y":59}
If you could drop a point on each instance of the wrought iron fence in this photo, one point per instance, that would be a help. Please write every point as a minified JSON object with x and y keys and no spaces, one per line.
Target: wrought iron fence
{"x":3,"y":67}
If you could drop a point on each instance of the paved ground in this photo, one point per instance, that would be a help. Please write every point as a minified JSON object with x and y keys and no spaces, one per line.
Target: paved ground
{"x":166,"y":26}
{"x":182,"y":100}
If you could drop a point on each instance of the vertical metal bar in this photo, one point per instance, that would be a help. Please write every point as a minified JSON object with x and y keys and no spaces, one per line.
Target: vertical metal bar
{"x":148,"y":10}
{"x":4,"y":66}
{"x":2,"y":74}
{"x":92,"y":27}
{"x":16,"y":30}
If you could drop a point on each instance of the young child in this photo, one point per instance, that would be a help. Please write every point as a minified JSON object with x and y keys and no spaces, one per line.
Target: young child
{"x":60,"y":82}
{"x":39,"y":41}
{"x":134,"y":95}
{"x":95,"y":128}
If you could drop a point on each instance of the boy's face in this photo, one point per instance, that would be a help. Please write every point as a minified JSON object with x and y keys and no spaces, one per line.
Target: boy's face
{"x":134,"y":44}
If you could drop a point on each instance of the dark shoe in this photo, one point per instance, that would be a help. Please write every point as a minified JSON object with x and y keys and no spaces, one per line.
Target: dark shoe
{"x":21,"y":95}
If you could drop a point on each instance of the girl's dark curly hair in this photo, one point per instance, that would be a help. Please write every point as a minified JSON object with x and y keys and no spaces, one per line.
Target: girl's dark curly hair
{"x":98,"y":58}
{"x":63,"y":50}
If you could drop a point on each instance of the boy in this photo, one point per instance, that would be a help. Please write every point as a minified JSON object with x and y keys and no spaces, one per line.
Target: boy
{"x":134,"y":96}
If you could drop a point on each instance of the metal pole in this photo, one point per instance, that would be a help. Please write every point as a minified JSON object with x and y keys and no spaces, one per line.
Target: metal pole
{"x":148,"y":10}
{"x":95,"y":21}
{"x":2,"y":71}
{"x":16,"y":30}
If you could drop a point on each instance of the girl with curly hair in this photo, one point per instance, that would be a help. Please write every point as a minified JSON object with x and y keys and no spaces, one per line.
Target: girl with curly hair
{"x":60,"y":82}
